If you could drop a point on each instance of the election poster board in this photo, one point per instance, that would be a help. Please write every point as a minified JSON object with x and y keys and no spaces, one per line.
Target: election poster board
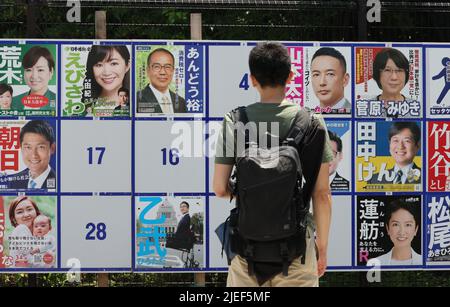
{"x":388,"y":156}
{"x":29,"y":232}
{"x":388,"y":82}
{"x":26,"y":153}
{"x":170,"y":80}
{"x":112,"y":139}
{"x":96,"y":80}
{"x":340,"y":136}
{"x":438,"y":81}
{"x":389,"y":230}
{"x":28,"y":79}
{"x":438,"y":232}
{"x":169,"y":232}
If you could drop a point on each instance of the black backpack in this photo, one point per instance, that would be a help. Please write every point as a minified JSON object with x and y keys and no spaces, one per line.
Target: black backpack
{"x":269,"y":221}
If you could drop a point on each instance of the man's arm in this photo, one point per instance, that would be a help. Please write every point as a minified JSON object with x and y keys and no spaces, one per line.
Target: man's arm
{"x":222,"y":173}
{"x":321,"y":199}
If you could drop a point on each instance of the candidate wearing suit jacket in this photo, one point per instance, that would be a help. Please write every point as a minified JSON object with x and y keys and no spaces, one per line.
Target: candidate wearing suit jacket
{"x":329,"y":78}
{"x":404,"y":144}
{"x":37,"y":144}
{"x":184,"y":226}
{"x":339,"y":183}
{"x":410,"y":174}
{"x":148,"y":103}
{"x":21,"y":180}
{"x":156,"y":96}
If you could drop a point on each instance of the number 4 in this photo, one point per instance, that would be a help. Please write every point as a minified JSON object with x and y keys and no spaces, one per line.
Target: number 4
{"x":244,"y":82}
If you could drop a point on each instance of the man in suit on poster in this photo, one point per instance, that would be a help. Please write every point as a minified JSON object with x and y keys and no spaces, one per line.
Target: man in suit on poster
{"x":156,"y":97}
{"x":37,"y":144}
{"x":337,"y":182}
{"x":404,"y":144}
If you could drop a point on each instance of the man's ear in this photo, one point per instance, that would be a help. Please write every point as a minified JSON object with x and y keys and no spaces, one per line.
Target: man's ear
{"x":255,"y":82}
{"x":346,"y":79}
{"x":52,"y":148}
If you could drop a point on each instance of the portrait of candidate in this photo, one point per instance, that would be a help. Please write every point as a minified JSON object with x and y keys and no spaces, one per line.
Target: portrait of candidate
{"x":37,"y":144}
{"x":38,"y":66}
{"x":329,"y":78}
{"x":156,"y":97}
{"x":124,"y":103}
{"x":337,"y":182}
{"x":391,"y":72}
{"x":6,"y":93}
{"x":402,"y":223}
{"x":404,"y":144}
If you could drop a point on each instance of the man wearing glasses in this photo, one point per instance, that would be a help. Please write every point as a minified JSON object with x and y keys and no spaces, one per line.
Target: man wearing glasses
{"x":156,"y":97}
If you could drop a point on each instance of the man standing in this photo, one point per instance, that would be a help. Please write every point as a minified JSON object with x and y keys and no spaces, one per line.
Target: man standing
{"x":37,"y":143}
{"x":184,"y":225}
{"x":337,"y":182}
{"x":270,"y":69}
{"x":329,"y":78}
{"x":156,"y":96}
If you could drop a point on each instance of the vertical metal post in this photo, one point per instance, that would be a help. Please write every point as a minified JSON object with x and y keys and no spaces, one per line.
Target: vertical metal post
{"x":196,"y":34}
{"x":100,"y":24}
{"x":100,"y":33}
{"x":362,"y":20}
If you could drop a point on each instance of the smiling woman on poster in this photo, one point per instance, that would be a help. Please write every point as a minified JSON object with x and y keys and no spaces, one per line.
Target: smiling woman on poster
{"x":107,"y":70}
{"x":6,"y":93}
{"x":39,"y":66}
{"x":22,"y":212}
{"x":391,"y":72}
{"x":402,"y":224}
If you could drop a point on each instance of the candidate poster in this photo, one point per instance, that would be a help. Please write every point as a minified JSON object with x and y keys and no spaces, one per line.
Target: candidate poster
{"x":388,"y":230}
{"x":388,"y":82}
{"x":328,"y":79}
{"x":388,"y":156}
{"x":340,"y":172}
{"x":170,"y":80}
{"x":438,"y":160}
{"x":438,"y":229}
{"x":170,"y":232}
{"x":96,"y":80}
{"x":28,"y":79}
{"x":438,"y":81}
{"x":28,"y":232}
{"x":28,"y":155}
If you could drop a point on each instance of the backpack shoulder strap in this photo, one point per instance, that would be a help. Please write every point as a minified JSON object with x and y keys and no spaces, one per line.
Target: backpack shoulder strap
{"x":299,"y":127}
{"x":309,"y":137}
{"x":239,"y":115}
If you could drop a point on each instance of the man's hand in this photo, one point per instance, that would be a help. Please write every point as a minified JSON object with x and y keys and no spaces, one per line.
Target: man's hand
{"x":321,"y":264}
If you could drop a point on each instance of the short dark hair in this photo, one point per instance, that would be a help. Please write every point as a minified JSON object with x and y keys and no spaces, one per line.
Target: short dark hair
{"x":34,"y":54}
{"x":398,"y":204}
{"x":124,"y":89}
{"x":397,"y":127}
{"x":40,"y":127}
{"x":334,"y":137}
{"x":328,"y":51}
{"x":270,"y":64}
{"x":186,"y":203}
{"x":5,"y":88}
{"x":160,"y":50}
{"x":381,"y":59}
